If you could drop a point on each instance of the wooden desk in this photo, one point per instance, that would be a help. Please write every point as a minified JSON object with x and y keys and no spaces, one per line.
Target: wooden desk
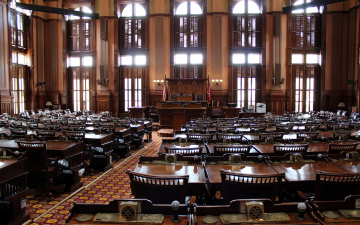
{"x":248,"y":115}
{"x":97,"y":139}
{"x":14,"y":176}
{"x":213,"y":172}
{"x":137,"y":111}
{"x":196,"y":184}
{"x":230,"y":112}
{"x":71,"y":151}
{"x":171,"y":145}
{"x":350,"y":167}
{"x":301,"y":176}
{"x":174,"y":117}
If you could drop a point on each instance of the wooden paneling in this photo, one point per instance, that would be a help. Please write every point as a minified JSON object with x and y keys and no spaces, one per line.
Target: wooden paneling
{"x":276,"y":104}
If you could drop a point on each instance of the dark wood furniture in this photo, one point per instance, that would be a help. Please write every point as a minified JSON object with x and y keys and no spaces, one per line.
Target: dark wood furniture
{"x":102,"y":147}
{"x":221,"y":149}
{"x":248,"y":115}
{"x":71,"y":151}
{"x":137,"y":111}
{"x":282,"y":149}
{"x":172,"y":145}
{"x":196,"y":174}
{"x":41,"y":168}
{"x":173,"y":116}
{"x":214,"y":177}
{"x":13,"y":184}
{"x":162,"y":189}
{"x":252,"y":186}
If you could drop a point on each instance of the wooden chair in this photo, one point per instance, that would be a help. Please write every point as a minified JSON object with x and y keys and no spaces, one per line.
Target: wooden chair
{"x":307,"y":134}
{"x":271,"y":135}
{"x":333,"y":186}
{"x":223,"y":149}
{"x":221,"y":136}
{"x":249,"y":186}
{"x":199,"y":136}
{"x":45,"y":133}
{"x":337,"y":148}
{"x":158,"y":189}
{"x":282,"y":149}
{"x":184,"y":151}
{"x":41,"y":168}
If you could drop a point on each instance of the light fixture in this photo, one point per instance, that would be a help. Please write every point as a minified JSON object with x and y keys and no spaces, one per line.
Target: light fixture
{"x":217,"y":81}
{"x":342,"y":105}
{"x":158,"y":82}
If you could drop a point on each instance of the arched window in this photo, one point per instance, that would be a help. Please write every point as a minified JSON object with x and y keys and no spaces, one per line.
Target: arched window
{"x":306,"y":27}
{"x":188,"y":58}
{"x":246,"y":57}
{"x":81,"y":63}
{"x":308,"y":9}
{"x":246,"y":24}
{"x":133,"y":57}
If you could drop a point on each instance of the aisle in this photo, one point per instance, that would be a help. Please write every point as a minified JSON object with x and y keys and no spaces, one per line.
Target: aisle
{"x":100,"y":188}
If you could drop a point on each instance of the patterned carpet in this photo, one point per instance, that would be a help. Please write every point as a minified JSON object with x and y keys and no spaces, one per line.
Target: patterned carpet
{"x":102,"y":187}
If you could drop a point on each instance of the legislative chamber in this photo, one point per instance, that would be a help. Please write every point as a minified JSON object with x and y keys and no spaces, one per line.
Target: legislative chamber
{"x":179,"y":112}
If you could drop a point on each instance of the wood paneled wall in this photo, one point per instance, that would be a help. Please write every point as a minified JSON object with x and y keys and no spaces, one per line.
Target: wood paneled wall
{"x":339,"y":49}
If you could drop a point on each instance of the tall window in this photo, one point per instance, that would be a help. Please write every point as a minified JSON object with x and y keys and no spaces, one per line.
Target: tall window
{"x":306,"y":72}
{"x":132,"y":70}
{"x":247,"y":24}
{"x":19,"y":69}
{"x":246,"y":57}
{"x":132,"y":59}
{"x":188,"y":58}
{"x":306,"y":27}
{"x":80,"y":61}
{"x":19,"y":74}
{"x":246,"y":68}
{"x":132,"y":27}
{"x":80,"y":73}
{"x":80,"y":32}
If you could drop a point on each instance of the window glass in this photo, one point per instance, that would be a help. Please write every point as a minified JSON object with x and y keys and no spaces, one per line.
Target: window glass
{"x":180,"y":59}
{"x":88,"y":61}
{"x":74,"y":61}
{"x":196,"y":59}
{"x":140,"y":60}
{"x":297,"y":59}
{"x":127,"y":12}
{"x":253,"y":7}
{"x":126,"y":60}
{"x":181,"y":9}
{"x":195,"y":8}
{"x":238,"y":58}
{"x":139,"y":10}
{"x":239,"y":8}
{"x":253,"y":58}
{"x":312,"y":59}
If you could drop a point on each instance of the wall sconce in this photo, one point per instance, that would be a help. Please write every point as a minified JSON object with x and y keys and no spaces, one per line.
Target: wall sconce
{"x":282,"y":81}
{"x":40,"y":84}
{"x":351,"y":82}
{"x":217,"y":81}
{"x":158,"y":84}
{"x":158,"y":81}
